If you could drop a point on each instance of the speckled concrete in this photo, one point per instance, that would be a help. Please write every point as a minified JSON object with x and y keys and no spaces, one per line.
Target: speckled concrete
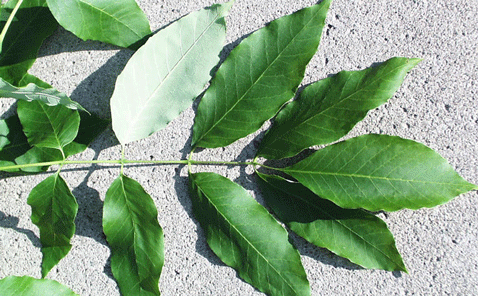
{"x":437,"y":105}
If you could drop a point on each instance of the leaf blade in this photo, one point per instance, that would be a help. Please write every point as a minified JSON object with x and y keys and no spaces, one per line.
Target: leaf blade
{"x":48,"y":126}
{"x":375,"y":172}
{"x":28,"y":286}
{"x":33,"y":24}
{"x":246,"y":237}
{"x":15,"y":149}
{"x":54,"y":210}
{"x":361,"y":237}
{"x":134,"y":236}
{"x":121,"y":23}
{"x":183,"y":55}
{"x":328,"y":109}
{"x":258,"y":77}
{"x":31,"y":92}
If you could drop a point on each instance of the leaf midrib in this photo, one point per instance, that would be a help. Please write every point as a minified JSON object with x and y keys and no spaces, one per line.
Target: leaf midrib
{"x":171,"y":71}
{"x":259,"y":78}
{"x":366,"y":176}
{"x":253,"y":247}
{"x":337,"y":221}
{"x":135,"y":225}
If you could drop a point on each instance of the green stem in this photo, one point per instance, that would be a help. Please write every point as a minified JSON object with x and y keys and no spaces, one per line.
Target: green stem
{"x":133,"y":162}
{"x":9,"y":22}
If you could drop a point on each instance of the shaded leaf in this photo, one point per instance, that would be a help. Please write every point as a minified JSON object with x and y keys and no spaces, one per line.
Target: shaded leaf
{"x":32,"y":92}
{"x":28,"y":286}
{"x":54,"y":209}
{"x":15,"y":149}
{"x":32,"y":24}
{"x":130,"y":222}
{"x":167,"y":73}
{"x":258,"y":77}
{"x":380,"y":172}
{"x":119,"y":22}
{"x":356,"y":235}
{"x":328,"y":109}
{"x":48,"y":126}
{"x":246,"y":237}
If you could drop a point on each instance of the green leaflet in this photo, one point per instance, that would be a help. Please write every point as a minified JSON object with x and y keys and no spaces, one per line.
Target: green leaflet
{"x":246,"y":237}
{"x":48,"y":126}
{"x":356,"y":235}
{"x":14,"y":147}
{"x":32,"y":92}
{"x":258,"y":77}
{"x":380,"y":172}
{"x":32,"y":24}
{"x":167,"y":73}
{"x":328,"y":109}
{"x":28,"y":286}
{"x":130,"y":223}
{"x":119,"y":22}
{"x":54,"y":209}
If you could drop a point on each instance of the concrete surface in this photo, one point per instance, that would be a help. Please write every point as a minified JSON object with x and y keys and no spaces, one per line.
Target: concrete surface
{"x":437,"y":105}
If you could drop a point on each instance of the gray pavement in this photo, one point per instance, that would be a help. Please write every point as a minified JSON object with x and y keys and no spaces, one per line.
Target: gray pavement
{"x":437,"y":105}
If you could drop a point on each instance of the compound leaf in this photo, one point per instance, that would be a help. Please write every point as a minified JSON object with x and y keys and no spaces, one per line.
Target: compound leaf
{"x":54,"y":209}
{"x":328,"y":109}
{"x":246,"y":237}
{"x":28,"y":286}
{"x":32,"y":24}
{"x":258,"y":77}
{"x":130,"y":222}
{"x":167,"y":73}
{"x":380,"y":172}
{"x":48,"y":126}
{"x":33,"y":92}
{"x":356,"y":235}
{"x":119,"y":22}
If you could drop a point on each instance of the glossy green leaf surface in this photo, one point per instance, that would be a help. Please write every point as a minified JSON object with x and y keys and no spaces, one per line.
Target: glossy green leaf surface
{"x":356,"y":235}
{"x":380,"y":172}
{"x":258,"y":77}
{"x":15,"y":150}
{"x":32,"y":24}
{"x":167,"y":73}
{"x":54,"y":210}
{"x":246,"y":237}
{"x":28,"y":286}
{"x":48,"y":126}
{"x":119,"y":22}
{"x":328,"y":109}
{"x":130,"y":222}
{"x":32,"y":92}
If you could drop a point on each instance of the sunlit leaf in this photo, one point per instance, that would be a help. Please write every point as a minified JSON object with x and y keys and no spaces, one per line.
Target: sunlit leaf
{"x":28,"y":286}
{"x":328,"y":109}
{"x":380,"y":172}
{"x":32,"y":92}
{"x":246,"y":237}
{"x":258,"y":77}
{"x":167,"y":73}
{"x":32,"y":24}
{"x":356,"y":235}
{"x":130,"y":222}
{"x":15,"y":150}
{"x":54,"y":209}
{"x":119,"y":22}
{"x":48,"y":126}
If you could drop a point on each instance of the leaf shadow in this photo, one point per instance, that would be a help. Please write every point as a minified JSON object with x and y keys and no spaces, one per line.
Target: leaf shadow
{"x":7,"y":221}
{"x":63,"y":40}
